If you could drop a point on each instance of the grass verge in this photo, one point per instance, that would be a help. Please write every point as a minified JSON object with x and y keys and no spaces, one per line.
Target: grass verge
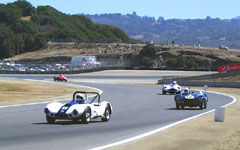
{"x":14,"y":91}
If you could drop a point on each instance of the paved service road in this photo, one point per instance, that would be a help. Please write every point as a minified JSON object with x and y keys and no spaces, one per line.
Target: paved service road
{"x":136,"y":110}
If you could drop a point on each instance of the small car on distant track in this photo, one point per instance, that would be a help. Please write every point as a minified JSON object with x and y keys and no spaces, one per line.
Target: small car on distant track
{"x":60,"y":78}
{"x":191,"y":99}
{"x":84,"y":106}
{"x":172,"y":88}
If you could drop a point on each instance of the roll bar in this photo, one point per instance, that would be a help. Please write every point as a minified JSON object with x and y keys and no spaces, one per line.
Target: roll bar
{"x":96,"y":95}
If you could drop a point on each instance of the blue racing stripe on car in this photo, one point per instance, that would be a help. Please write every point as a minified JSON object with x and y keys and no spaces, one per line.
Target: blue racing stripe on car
{"x":65,"y":107}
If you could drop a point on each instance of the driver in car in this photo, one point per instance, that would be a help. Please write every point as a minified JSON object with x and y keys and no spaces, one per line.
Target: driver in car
{"x":186,"y":91}
{"x":81,"y":100}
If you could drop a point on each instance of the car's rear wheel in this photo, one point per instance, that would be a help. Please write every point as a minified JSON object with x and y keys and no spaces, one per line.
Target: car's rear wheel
{"x":50,"y":120}
{"x":107,"y":114}
{"x":182,"y":106}
{"x":86,"y":118}
{"x":177,"y":106}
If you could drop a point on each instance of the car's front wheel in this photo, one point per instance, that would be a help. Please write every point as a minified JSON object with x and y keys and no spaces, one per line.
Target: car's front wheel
{"x":50,"y":120}
{"x":201,"y":106}
{"x":107,"y":115}
{"x":163,"y":92}
{"x":205,"y":105}
{"x":86,"y":118}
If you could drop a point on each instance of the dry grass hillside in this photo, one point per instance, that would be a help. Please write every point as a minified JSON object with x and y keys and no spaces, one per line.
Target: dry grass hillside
{"x":206,"y":58}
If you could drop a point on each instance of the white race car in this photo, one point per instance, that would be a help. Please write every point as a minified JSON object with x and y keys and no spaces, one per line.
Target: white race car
{"x":80,"y":108}
{"x":172,"y":88}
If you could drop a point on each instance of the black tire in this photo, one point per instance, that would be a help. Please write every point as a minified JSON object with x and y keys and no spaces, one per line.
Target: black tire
{"x":75,"y":120}
{"x":177,"y":106}
{"x":205,"y":105}
{"x":182,"y":106}
{"x":163,"y":92}
{"x":50,"y":120}
{"x":107,"y":114}
{"x":201,"y":106}
{"x":86,"y":117}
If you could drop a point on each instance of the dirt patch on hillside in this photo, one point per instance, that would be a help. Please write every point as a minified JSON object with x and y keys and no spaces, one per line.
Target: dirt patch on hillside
{"x":198,"y":134}
{"x":14,"y":91}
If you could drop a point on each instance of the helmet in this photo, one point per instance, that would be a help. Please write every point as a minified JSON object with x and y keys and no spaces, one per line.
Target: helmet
{"x":174,"y":82}
{"x":186,"y":90}
{"x":80,"y":99}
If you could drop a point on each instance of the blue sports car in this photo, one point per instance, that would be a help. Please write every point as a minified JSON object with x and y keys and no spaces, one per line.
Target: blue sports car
{"x":191,"y":99}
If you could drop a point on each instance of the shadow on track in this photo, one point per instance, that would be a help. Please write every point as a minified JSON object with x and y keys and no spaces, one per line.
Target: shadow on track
{"x":165,"y":94}
{"x":183,"y":109}
{"x":65,"y":123}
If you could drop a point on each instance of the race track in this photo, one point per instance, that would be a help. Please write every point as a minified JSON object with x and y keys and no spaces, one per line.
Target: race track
{"x":136,"y":110}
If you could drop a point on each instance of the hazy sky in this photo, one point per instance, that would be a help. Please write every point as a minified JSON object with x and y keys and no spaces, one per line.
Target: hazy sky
{"x":180,"y":9}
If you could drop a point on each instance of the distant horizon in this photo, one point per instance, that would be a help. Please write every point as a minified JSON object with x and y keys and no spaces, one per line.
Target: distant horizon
{"x":162,"y":16}
{"x":175,"y":9}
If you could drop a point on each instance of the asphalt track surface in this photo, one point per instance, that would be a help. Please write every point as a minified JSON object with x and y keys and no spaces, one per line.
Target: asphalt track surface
{"x":136,"y":110}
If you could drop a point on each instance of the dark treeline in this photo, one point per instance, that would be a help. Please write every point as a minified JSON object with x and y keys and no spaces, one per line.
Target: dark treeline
{"x":24,"y":28}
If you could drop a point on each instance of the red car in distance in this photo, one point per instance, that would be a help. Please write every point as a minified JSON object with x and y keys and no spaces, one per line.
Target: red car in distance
{"x":60,"y":78}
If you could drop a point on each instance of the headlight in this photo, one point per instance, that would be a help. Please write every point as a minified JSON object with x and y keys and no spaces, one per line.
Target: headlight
{"x":75,"y":112}
{"x":46,"y":110}
{"x":200,"y":98}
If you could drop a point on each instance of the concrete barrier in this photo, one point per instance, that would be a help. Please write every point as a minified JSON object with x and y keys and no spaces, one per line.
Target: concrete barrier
{"x":219,"y":114}
{"x":210,"y":76}
{"x":209,"y":84}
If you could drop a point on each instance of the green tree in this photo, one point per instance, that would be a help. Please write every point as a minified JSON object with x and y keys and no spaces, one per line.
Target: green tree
{"x":181,"y":61}
{"x":26,"y":8}
{"x":147,"y":62}
{"x":24,"y":27}
{"x":19,"y":44}
{"x":7,"y":44}
{"x":9,"y":14}
{"x":148,"y":50}
{"x":171,"y":62}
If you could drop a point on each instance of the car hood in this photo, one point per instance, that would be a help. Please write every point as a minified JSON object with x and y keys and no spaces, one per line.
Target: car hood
{"x":66,"y":106}
{"x":171,"y":86}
